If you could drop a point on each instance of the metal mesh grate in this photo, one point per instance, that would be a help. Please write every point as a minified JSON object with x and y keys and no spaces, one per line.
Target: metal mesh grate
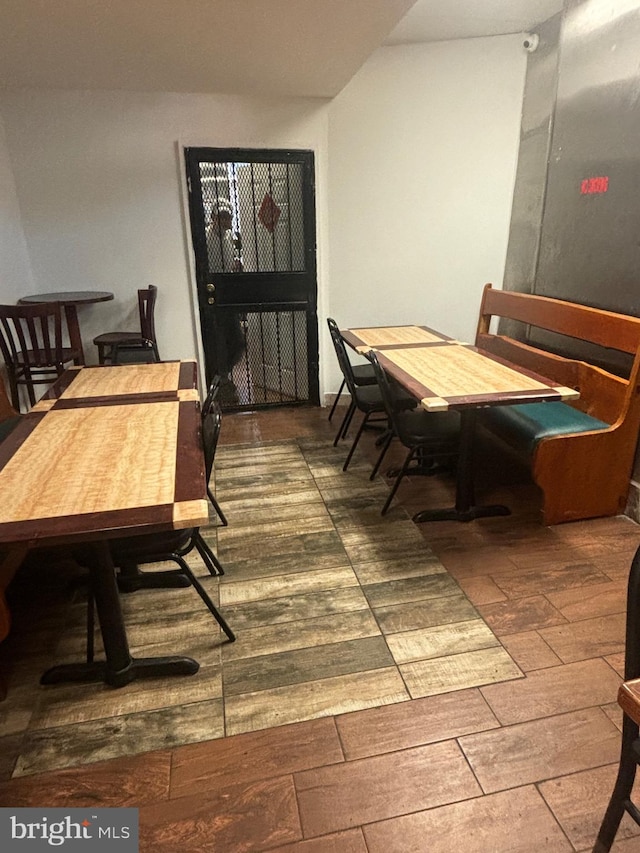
{"x":254,"y":216}
{"x":267,"y":357}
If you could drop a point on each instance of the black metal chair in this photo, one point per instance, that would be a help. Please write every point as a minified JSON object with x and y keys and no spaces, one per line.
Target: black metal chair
{"x":32,"y":347}
{"x":362,"y":373}
{"x":629,"y":701}
{"x":430,"y":437}
{"x":210,"y":435}
{"x":131,"y":552}
{"x":364,"y":398}
{"x":127,"y":347}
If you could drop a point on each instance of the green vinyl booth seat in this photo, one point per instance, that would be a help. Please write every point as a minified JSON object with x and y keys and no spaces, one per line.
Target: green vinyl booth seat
{"x":525,"y":424}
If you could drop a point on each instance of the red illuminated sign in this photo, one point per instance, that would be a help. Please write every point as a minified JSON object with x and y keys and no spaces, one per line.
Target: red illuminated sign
{"x":590,"y":186}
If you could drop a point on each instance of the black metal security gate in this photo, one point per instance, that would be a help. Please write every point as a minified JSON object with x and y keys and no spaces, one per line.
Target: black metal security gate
{"x":253,"y":231}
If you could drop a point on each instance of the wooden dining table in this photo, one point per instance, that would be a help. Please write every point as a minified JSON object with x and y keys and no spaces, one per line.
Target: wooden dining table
{"x":448,"y":375}
{"x":79,"y":475}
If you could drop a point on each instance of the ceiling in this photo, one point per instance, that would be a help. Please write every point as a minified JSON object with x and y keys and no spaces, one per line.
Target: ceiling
{"x":262,"y":47}
{"x":440,"y":20}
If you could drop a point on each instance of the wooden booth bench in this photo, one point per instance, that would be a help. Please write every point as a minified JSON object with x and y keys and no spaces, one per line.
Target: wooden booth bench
{"x":581,"y":452}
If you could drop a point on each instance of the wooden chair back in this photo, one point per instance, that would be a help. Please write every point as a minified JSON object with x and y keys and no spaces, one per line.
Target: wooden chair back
{"x":603,"y":394}
{"x":146,"y":308}
{"x":31,"y":345}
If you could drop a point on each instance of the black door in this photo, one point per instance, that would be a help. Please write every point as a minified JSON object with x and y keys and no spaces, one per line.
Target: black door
{"x":253,"y":230}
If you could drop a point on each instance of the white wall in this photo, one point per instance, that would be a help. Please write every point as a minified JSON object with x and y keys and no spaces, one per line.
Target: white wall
{"x":415,"y":164}
{"x":99,"y":182}
{"x":15,"y":269}
{"x":423,"y":147}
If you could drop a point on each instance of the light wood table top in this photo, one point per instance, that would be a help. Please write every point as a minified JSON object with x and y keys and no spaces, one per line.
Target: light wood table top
{"x":102,"y":384}
{"x":376,"y":337}
{"x":102,"y":471}
{"x":455,"y":377}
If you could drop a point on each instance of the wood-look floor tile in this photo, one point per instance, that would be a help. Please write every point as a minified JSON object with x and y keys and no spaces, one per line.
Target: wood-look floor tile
{"x":350,"y":514}
{"x":476,"y":825}
{"x":544,"y":580}
{"x":273,"y":639}
{"x":248,"y":675}
{"x":456,"y":672}
{"x":296,"y":496}
{"x":421,"y":564}
{"x":346,"y":795}
{"x":125,"y":782}
{"x":567,"y":687}
{"x":86,"y":743}
{"x":541,"y":749}
{"x":63,"y":705}
{"x":307,"y":700}
{"x":179,"y":629}
{"x":588,"y":639}
{"x":421,"y":721}
{"x":309,"y":505}
{"x":10,"y":747}
{"x":614,"y":712}
{"x":481,"y":561}
{"x":253,"y":756}
{"x":579,"y":802}
{"x":600,"y":600}
{"x":281,"y":555}
{"x":403,"y":590}
{"x":481,"y":590}
{"x":259,"y":589}
{"x":336,"y":488}
{"x":616,"y":662}
{"x":373,"y":544}
{"x":349,"y":841}
{"x":239,"y":818}
{"x":441,"y":641}
{"x":17,"y":709}
{"x":291,"y":608}
{"x":254,"y":534}
{"x":523,"y":614}
{"x":529,"y":651}
{"x":425,"y":614}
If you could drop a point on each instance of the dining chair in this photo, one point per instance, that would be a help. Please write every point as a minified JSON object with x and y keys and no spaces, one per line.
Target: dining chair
{"x":362,"y":373}
{"x":629,"y":701}
{"x":210,"y":434}
{"x":127,"y":347}
{"x":364,"y":398}
{"x":32,"y":347}
{"x":430,"y":437}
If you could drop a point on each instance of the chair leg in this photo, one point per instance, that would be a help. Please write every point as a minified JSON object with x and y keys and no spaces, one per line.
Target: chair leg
{"x":387,"y":444}
{"x":204,"y":596}
{"x":347,"y":423}
{"x":355,"y":442}
{"x":620,"y":798}
{"x":398,"y":479}
{"x":335,"y":402}
{"x":216,"y":506}
{"x":213,"y":564}
{"x":343,"y":423}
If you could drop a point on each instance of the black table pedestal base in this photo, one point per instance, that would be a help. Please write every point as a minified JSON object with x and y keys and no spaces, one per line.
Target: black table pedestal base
{"x":138,"y":668}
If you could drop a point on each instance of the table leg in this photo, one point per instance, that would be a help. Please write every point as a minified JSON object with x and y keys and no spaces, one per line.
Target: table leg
{"x":73,"y":327}
{"x":465,"y":508}
{"x":119,"y":668}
